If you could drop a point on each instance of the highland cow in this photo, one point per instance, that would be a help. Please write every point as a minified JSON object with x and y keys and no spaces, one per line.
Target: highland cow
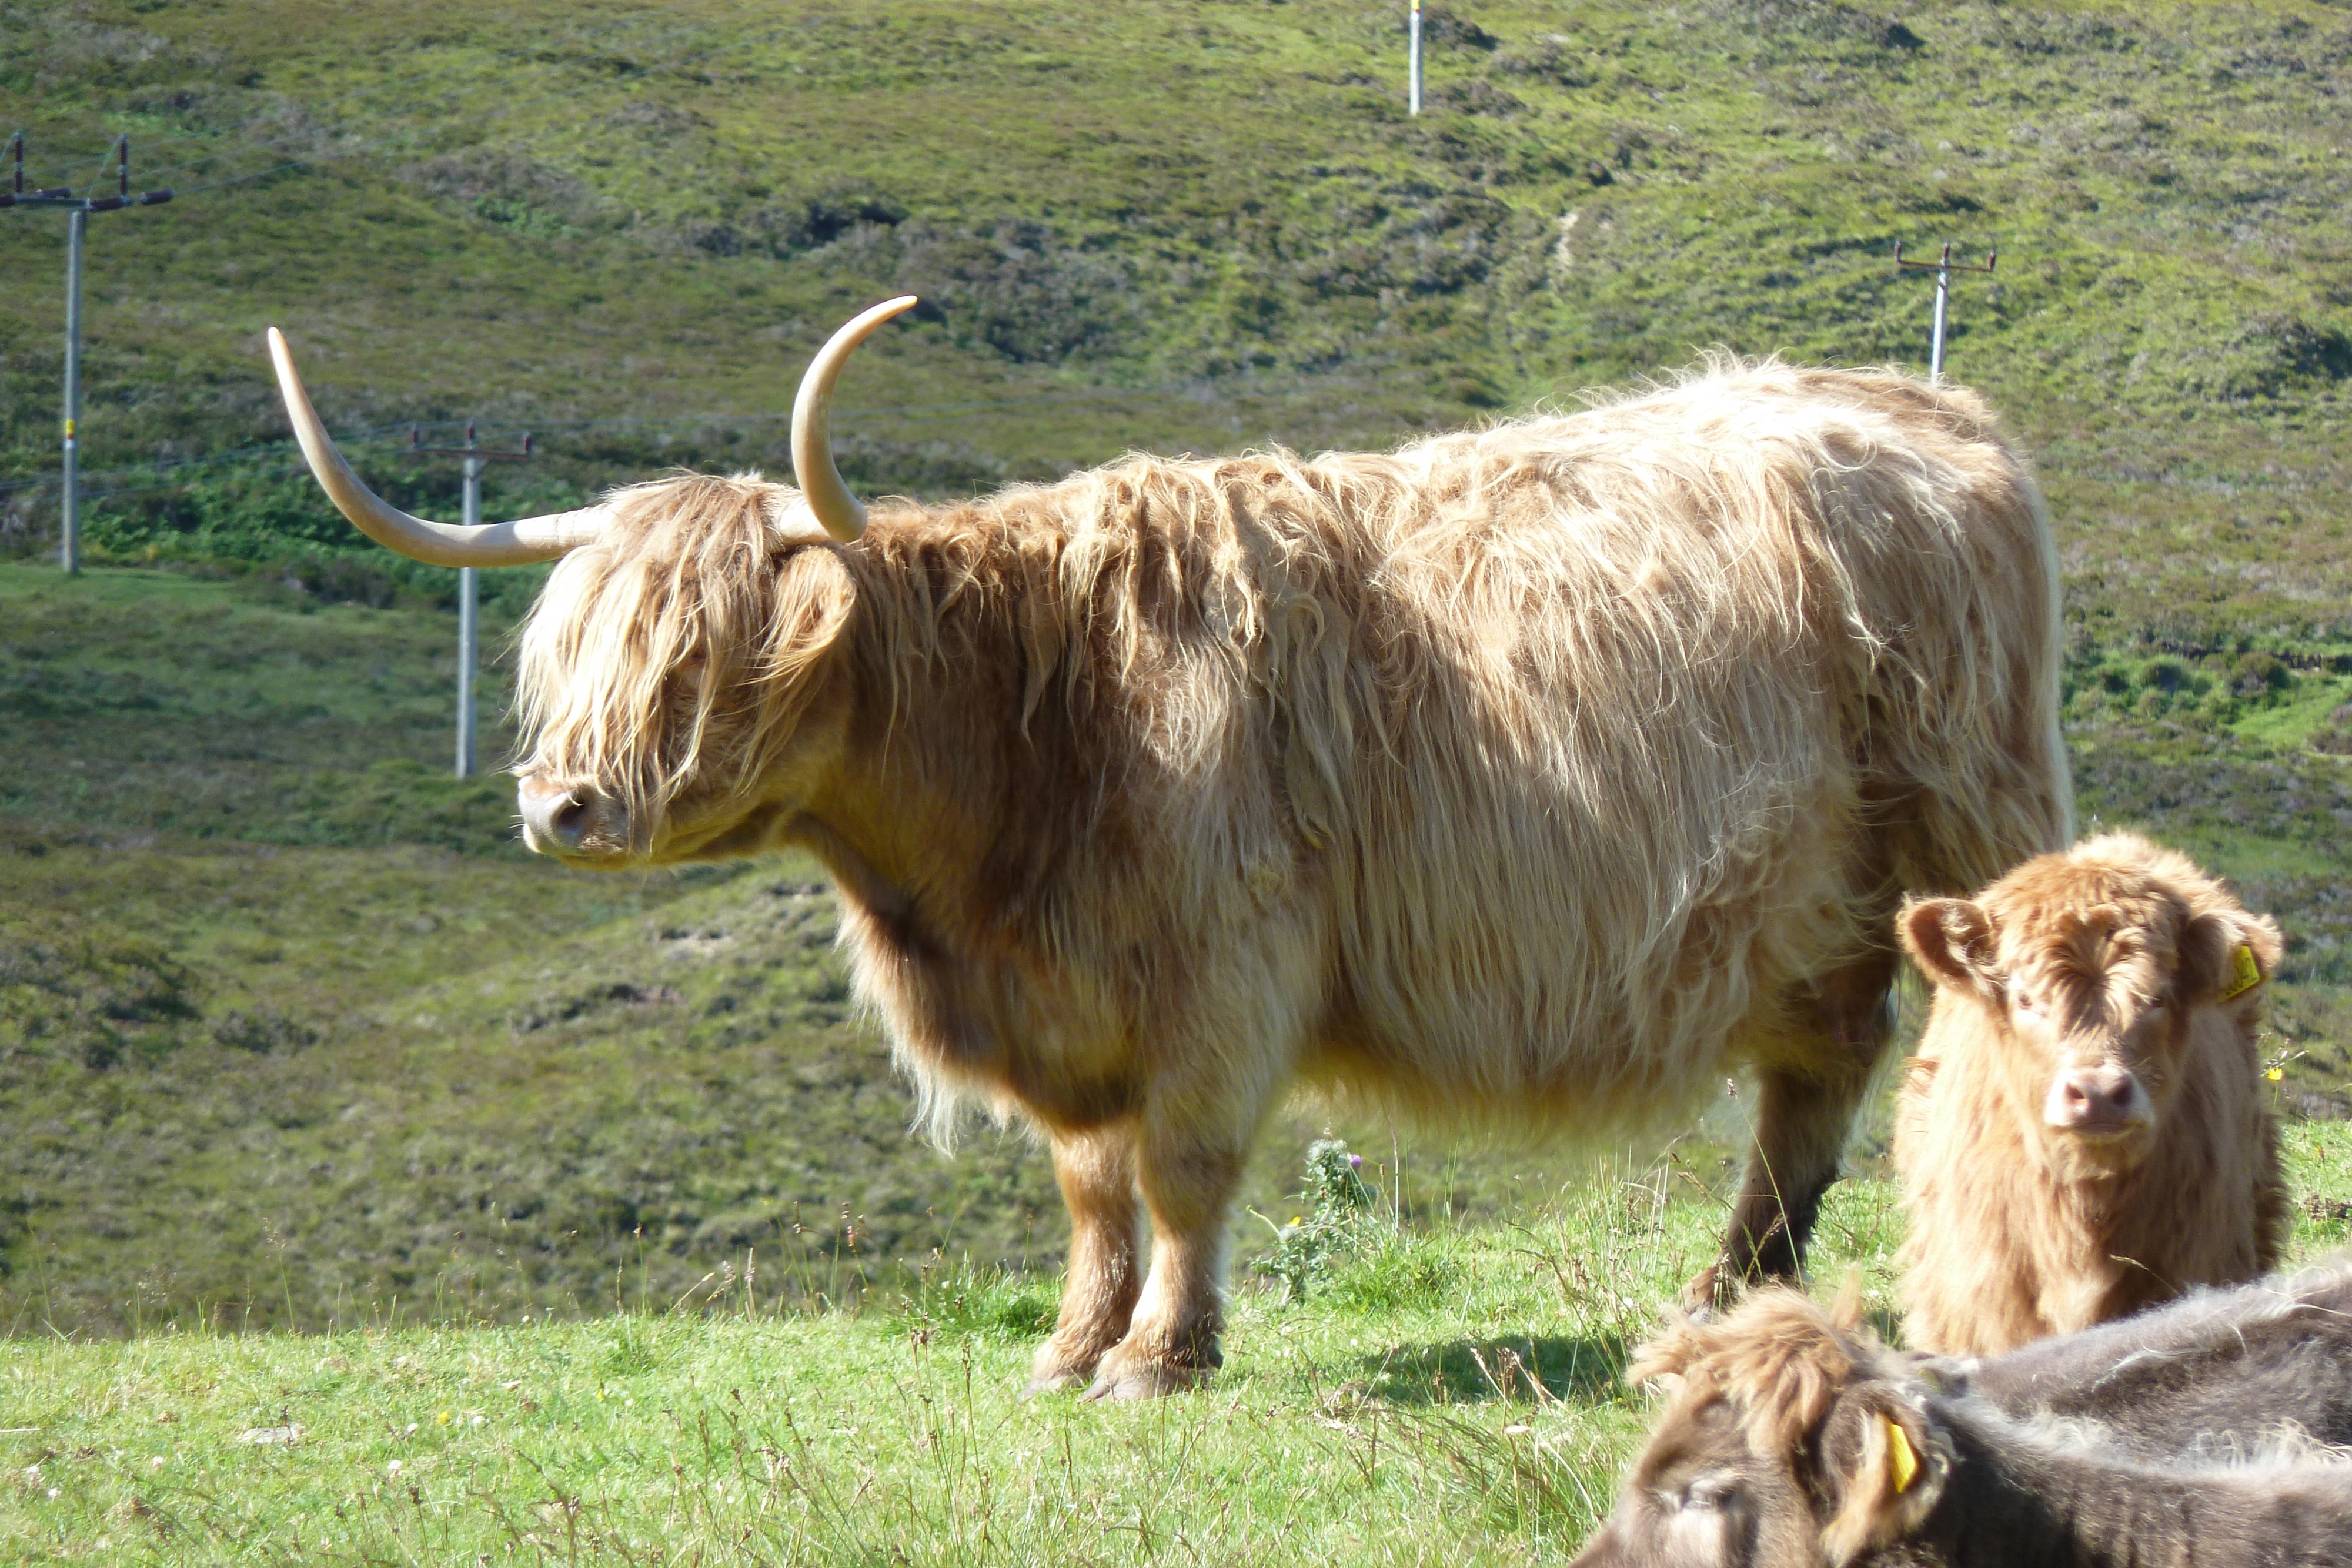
{"x":2083,"y":1131}
{"x":1538,"y":775}
{"x":1792,"y":1439}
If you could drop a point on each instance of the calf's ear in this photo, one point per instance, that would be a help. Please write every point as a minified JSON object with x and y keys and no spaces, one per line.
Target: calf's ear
{"x":1889,"y":1469}
{"x":1952,"y":942}
{"x":2225,"y":956}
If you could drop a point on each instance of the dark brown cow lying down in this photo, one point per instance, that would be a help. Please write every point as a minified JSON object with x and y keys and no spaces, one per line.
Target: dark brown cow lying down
{"x":2220,"y":1372}
{"x":1793,"y":1439}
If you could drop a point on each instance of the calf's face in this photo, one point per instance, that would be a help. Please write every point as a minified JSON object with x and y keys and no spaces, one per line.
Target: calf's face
{"x":1779,"y":1448}
{"x":2087,"y":998}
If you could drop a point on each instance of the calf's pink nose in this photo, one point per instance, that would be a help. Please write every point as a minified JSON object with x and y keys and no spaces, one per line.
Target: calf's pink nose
{"x":2093,"y":1099}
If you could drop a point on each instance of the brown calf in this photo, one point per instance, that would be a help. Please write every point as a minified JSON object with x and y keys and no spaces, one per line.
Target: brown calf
{"x":1793,"y":1440}
{"x":2082,"y":1131}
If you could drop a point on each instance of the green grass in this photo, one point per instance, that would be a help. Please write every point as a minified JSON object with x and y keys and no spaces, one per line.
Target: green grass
{"x":1374,"y":1418}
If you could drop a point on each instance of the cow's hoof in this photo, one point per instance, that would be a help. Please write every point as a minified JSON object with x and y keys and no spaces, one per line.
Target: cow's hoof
{"x":1056,"y":1368}
{"x":1123,"y":1380}
{"x":1053,"y":1382}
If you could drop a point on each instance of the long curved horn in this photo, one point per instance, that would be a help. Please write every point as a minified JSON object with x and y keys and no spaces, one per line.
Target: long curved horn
{"x":517,"y":543}
{"x":828,"y":497}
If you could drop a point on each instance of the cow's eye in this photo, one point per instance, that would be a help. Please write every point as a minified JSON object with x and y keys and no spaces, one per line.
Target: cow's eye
{"x":1709,"y":1492}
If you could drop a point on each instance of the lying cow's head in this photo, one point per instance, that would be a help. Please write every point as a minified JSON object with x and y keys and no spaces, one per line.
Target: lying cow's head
{"x":1790,"y":1439}
{"x":2095,"y":973}
{"x":679,"y":687}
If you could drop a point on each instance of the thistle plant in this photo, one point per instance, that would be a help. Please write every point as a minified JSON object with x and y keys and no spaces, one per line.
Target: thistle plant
{"x":1342,"y":1210}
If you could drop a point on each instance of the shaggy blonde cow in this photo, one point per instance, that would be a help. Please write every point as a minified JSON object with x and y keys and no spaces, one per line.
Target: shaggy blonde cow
{"x":2082,"y":1131}
{"x":1538,"y":776}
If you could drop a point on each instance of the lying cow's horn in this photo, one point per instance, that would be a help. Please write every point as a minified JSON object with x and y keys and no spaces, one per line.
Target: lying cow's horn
{"x":517,"y":543}
{"x":828,"y":497}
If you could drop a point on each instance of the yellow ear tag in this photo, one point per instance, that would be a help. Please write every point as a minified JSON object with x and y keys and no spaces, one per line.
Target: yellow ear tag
{"x":1900,"y":1459}
{"x":2245,"y":974}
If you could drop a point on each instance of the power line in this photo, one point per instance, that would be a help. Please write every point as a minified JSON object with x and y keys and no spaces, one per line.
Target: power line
{"x":209,"y":459}
{"x":916,"y":413}
{"x":69,"y":481}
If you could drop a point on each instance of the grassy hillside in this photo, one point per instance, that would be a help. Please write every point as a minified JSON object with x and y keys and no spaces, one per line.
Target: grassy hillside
{"x":1201,"y":225}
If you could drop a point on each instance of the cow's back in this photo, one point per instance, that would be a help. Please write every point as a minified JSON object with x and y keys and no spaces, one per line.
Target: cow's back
{"x":1687,"y":680}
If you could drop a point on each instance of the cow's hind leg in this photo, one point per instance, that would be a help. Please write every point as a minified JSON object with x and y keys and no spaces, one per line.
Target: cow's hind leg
{"x":1808,"y":1107}
{"x":1095,"y":1170}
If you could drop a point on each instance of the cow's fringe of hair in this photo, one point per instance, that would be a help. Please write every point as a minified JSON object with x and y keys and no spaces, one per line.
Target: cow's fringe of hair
{"x":597,"y":692}
{"x":1779,"y":1359}
{"x":1700,"y":626}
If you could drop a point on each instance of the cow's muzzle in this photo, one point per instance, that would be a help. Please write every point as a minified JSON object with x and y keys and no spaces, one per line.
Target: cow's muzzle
{"x":571,"y":821}
{"x":2105,"y":1101}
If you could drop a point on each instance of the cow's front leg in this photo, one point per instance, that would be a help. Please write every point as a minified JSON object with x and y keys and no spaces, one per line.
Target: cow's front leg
{"x":1095,"y":1170}
{"x":1188,"y":1177}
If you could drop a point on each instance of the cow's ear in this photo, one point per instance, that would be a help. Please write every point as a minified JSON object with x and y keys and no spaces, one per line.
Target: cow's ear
{"x":2225,"y":956}
{"x":1952,"y":942}
{"x":1887,"y":1472}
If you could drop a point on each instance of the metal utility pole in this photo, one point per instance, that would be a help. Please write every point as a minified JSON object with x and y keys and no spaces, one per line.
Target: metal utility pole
{"x":1412,"y":59}
{"x":468,"y":586}
{"x":1943,"y":270}
{"x":70,"y":506}
{"x":78,"y":211}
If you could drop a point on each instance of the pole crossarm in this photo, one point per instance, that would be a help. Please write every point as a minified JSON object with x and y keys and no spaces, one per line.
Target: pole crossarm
{"x":1943,"y":268}
{"x":63,"y":196}
{"x":1946,"y":264}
